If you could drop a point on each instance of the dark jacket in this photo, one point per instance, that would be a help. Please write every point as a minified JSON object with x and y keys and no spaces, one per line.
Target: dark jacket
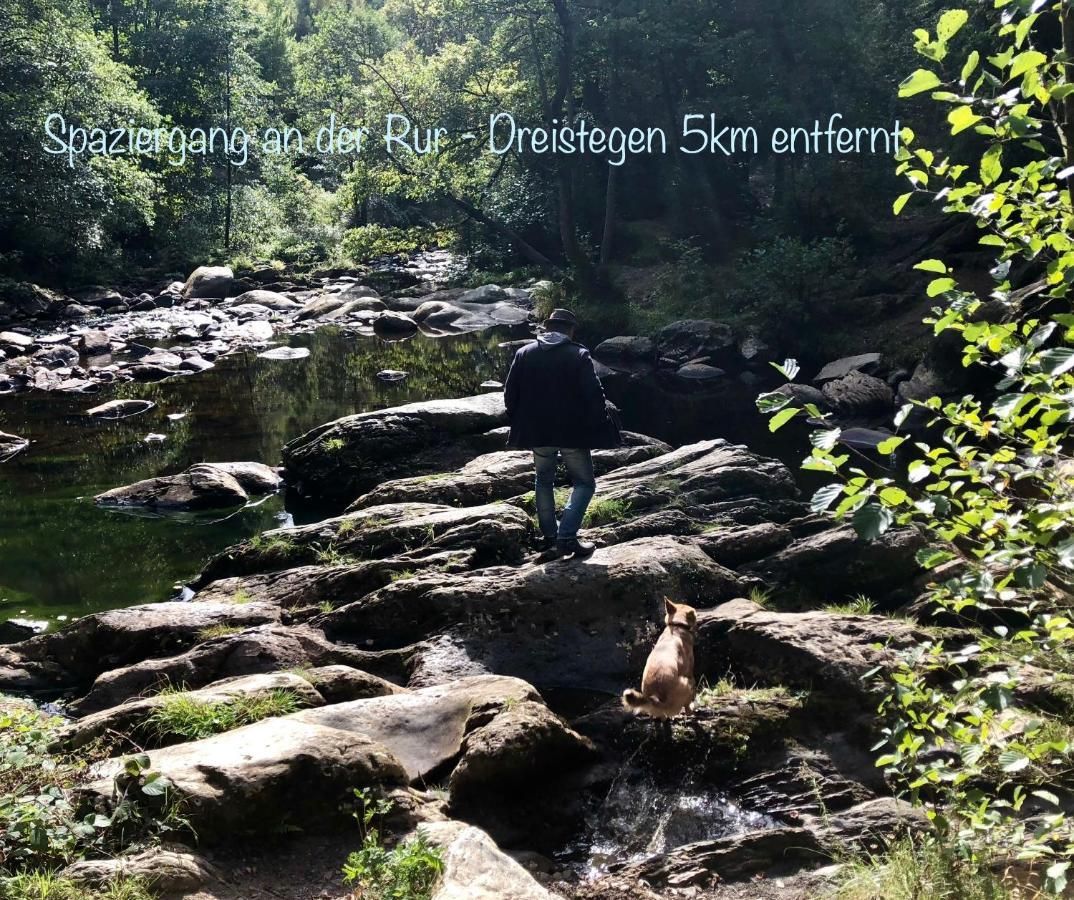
{"x":554,"y":399}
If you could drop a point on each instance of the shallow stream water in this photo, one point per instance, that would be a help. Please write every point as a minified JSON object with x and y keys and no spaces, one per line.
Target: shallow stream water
{"x":62,"y":557}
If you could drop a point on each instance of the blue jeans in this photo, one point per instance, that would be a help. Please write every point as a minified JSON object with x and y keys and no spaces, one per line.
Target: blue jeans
{"x":579,"y":465}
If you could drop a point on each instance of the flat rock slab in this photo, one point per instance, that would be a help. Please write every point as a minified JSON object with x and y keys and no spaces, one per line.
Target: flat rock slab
{"x":863,"y":362}
{"x":131,"y":719}
{"x":565,"y":623}
{"x":496,"y":476}
{"x":256,"y":778}
{"x":493,"y":532}
{"x":424,"y":729}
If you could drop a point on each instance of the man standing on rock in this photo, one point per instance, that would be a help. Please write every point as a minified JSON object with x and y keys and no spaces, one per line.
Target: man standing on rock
{"x":556,"y":408}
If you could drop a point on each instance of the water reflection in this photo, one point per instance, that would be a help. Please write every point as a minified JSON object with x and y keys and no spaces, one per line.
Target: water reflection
{"x":62,"y":556}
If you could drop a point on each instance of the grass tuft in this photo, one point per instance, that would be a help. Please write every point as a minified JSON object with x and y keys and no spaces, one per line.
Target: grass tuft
{"x":181,"y":714}
{"x":215,"y":631}
{"x":916,"y":868}
{"x":859,"y":606}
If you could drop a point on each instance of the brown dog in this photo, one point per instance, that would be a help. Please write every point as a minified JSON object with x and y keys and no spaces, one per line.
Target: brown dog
{"x":667,"y":685}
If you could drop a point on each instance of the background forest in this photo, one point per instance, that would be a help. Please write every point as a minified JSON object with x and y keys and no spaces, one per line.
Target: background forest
{"x":761,"y":239}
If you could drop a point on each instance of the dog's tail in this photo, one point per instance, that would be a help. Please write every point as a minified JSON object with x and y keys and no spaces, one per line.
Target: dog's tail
{"x":635,"y":701}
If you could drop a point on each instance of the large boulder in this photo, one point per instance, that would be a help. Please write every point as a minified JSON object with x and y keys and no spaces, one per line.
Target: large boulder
{"x":408,"y":531}
{"x":497,"y":476}
{"x":202,"y":487}
{"x":337,"y":306}
{"x":693,"y":339}
{"x":75,"y":654}
{"x":858,"y":394}
{"x":834,"y":564}
{"x":308,"y":762}
{"x":266,"y":648}
{"x":557,"y":624}
{"x":167,"y":871}
{"x":268,"y":299}
{"x":340,"y":460}
{"x":628,"y":348}
{"x":242,"y":781}
{"x":209,"y":281}
{"x":131,"y":723}
{"x":697,"y":474}
{"x":827,"y":651}
{"x":394,"y":324}
{"x":525,"y":741}
{"x":487,"y":293}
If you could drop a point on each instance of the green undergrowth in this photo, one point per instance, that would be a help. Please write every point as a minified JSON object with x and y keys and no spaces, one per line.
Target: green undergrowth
{"x":920,"y":868}
{"x":46,"y":886}
{"x":407,"y":871}
{"x":184,"y":715}
{"x":45,"y":822}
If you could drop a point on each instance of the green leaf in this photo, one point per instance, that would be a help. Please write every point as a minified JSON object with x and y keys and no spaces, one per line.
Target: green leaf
{"x":932,"y":265}
{"x":940,"y":286}
{"x":972,"y":61}
{"x":156,"y":785}
{"x":992,"y":164}
{"x":871,"y":520}
{"x":1047,"y":796}
{"x":1013,"y":761}
{"x":951,"y":23}
{"x":961,"y":118}
{"x":931,"y":557}
{"x":1057,"y":361}
{"x":825,"y":497}
{"x":1023,"y":62}
{"x":900,"y":202}
{"x":782,"y":418}
{"x":918,"y":82}
{"x":889,"y":446}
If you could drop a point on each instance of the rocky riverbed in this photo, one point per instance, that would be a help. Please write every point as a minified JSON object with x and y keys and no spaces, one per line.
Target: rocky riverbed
{"x":426,"y":650}
{"x":437,"y":659}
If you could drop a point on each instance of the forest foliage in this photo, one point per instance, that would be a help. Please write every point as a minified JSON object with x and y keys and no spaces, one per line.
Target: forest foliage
{"x":980,"y":718}
{"x":451,"y":63}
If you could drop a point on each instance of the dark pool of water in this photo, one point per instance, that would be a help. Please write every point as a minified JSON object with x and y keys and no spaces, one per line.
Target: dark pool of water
{"x":61,"y":556}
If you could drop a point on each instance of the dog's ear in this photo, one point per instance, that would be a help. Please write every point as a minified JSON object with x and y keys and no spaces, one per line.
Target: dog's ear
{"x":669,"y":607}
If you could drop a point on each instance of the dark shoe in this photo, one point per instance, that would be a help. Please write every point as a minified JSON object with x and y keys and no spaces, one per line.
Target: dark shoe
{"x":576,"y":549}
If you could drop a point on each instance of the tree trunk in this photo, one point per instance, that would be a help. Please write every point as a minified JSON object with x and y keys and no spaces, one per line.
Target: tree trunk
{"x":227,"y":119}
{"x":611,"y":196}
{"x":562,"y":108}
{"x":1068,"y":102}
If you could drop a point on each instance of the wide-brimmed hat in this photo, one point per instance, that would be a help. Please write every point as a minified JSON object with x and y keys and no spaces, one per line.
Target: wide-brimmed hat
{"x":564,"y":317}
